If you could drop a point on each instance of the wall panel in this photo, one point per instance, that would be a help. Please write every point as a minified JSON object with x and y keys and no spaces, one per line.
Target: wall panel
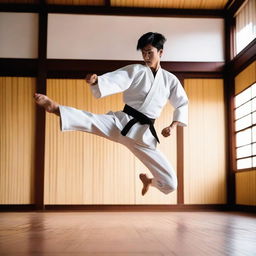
{"x":19,"y":35}
{"x":17,"y":140}
{"x":246,"y":78}
{"x":82,"y":168}
{"x":204,"y":143}
{"x":246,"y":188}
{"x":188,"y":39}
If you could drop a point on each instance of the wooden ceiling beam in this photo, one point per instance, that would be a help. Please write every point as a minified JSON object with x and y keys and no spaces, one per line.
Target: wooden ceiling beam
{"x":108,"y":10}
{"x":4,"y":7}
{"x":233,"y":6}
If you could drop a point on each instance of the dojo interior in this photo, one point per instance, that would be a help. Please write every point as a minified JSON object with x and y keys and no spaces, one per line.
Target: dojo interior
{"x":73,"y":193}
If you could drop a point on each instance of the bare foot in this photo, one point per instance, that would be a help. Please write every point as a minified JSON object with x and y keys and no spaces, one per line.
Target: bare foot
{"x":146,"y":183}
{"x":48,"y":104}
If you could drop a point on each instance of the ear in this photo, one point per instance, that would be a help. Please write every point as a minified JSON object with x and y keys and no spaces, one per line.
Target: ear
{"x":161,"y":52}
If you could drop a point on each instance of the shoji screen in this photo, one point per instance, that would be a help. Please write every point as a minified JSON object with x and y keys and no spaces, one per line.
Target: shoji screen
{"x":246,"y":180}
{"x":245,"y":21}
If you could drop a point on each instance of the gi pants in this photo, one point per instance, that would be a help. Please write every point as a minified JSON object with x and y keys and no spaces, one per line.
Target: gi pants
{"x":143,"y":147}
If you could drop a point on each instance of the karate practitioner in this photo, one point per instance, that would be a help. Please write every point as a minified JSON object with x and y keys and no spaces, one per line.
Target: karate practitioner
{"x":146,"y":89}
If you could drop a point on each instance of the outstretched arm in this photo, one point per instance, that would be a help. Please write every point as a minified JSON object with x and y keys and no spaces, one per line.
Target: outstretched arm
{"x":112,"y":82}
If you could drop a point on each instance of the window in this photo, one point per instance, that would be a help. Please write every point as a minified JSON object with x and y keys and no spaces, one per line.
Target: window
{"x":245,"y":30}
{"x":245,"y":128}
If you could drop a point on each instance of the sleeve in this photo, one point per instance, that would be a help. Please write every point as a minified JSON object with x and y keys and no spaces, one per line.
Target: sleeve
{"x":114,"y":82}
{"x":179,"y":100}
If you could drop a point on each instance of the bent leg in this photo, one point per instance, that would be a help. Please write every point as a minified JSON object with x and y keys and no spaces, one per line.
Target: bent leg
{"x":164,"y":177}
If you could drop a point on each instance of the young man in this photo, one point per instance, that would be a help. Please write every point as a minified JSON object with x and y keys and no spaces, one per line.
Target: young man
{"x":146,"y":89}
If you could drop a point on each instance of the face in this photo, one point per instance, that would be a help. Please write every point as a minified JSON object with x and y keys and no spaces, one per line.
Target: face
{"x":151,"y":56}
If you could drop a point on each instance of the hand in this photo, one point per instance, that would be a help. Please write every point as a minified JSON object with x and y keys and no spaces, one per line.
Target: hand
{"x":91,"y":79}
{"x":166,"y":132}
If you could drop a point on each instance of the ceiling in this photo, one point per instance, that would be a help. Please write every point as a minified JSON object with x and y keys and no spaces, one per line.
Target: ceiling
{"x":179,"y":4}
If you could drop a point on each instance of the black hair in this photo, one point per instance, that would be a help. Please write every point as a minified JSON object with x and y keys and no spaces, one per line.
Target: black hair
{"x":155,"y":39}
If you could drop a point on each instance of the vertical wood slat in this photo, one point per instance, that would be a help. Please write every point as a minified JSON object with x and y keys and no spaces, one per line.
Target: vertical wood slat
{"x":82,"y":168}
{"x":246,"y":188}
{"x":195,"y":4}
{"x":245,"y":78}
{"x":204,"y":143}
{"x":180,"y":164}
{"x":180,"y":159}
{"x":229,"y":105}
{"x":17,"y":136}
{"x":230,"y":138}
{"x":77,"y":2}
{"x":40,"y":113}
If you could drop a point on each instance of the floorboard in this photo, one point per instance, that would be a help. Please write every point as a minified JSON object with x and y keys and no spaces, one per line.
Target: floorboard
{"x":127,"y":233}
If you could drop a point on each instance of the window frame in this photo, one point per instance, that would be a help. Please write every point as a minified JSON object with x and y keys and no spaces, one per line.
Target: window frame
{"x":252,"y":156}
{"x":234,"y":52}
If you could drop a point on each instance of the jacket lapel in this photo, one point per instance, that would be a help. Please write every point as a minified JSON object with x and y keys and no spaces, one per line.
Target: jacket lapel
{"x":154,"y":81}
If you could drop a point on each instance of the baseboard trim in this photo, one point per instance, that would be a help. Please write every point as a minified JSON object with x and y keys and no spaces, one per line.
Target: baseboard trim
{"x":245,"y":208}
{"x":131,"y":208}
{"x":181,"y":207}
{"x":135,"y":207}
{"x":17,"y":207}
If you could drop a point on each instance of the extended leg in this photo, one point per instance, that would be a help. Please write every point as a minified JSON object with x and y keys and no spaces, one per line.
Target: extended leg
{"x":74,"y":119}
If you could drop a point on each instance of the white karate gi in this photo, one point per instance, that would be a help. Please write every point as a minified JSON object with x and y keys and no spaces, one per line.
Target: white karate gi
{"x":145,"y":93}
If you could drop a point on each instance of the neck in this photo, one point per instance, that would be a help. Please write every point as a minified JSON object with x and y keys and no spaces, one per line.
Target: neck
{"x":154,"y":69}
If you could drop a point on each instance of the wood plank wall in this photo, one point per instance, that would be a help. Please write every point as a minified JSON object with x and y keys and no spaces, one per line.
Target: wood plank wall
{"x":84,"y":169}
{"x":73,"y":172}
{"x":246,"y":188}
{"x":204,"y":143}
{"x":17,"y":140}
{"x":246,"y":181}
{"x":245,"y":78}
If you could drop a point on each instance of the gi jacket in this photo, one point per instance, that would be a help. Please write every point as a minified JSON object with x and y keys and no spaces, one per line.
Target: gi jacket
{"x":145,"y":93}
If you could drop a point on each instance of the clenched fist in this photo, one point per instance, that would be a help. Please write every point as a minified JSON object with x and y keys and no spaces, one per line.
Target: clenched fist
{"x":166,"y":132}
{"x":91,"y":79}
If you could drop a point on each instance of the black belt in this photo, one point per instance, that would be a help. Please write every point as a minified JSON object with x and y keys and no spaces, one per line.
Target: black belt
{"x":138,"y":117}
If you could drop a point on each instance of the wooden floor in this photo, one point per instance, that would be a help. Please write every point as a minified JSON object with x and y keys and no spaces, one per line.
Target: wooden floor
{"x":127,"y":233}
